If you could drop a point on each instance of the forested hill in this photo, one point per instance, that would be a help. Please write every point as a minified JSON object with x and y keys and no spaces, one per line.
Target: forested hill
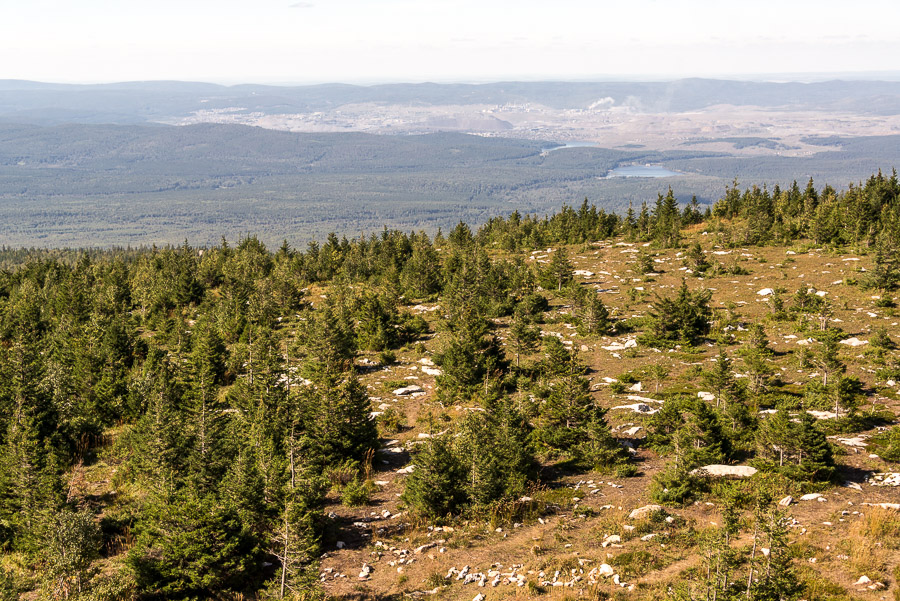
{"x":399,"y":414}
{"x":106,"y":185}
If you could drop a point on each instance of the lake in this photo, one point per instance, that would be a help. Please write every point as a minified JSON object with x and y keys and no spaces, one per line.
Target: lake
{"x":570,"y":145}
{"x":640,"y":171}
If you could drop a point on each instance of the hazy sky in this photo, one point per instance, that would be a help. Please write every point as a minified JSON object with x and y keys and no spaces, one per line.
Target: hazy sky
{"x":291,"y":41}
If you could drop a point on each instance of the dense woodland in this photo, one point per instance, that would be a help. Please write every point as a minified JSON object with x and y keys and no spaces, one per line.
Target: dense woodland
{"x":80,"y":185}
{"x":223,"y":387}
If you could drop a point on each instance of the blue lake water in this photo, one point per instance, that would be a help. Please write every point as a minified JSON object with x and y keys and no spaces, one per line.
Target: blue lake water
{"x":570,"y":145}
{"x":624,"y":170}
{"x":640,"y":171}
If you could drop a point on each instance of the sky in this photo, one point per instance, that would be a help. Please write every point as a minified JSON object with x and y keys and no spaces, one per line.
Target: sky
{"x":368,"y":41}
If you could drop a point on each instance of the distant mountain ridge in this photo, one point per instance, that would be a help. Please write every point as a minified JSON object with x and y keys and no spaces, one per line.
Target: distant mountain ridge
{"x":136,"y":102}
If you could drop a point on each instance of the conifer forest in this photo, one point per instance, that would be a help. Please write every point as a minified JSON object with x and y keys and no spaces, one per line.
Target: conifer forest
{"x":681,"y":401}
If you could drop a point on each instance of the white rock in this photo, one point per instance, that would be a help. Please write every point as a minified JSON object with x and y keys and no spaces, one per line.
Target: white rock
{"x":823,"y":414}
{"x":857,"y":441}
{"x":766,"y":292}
{"x":854,"y":342}
{"x":638,"y":408}
{"x":479,"y":597}
{"x":813,"y":496}
{"x":885,"y":479}
{"x":642,"y":512}
{"x":786,"y":502}
{"x":725,"y":471}
{"x":894,"y":506}
{"x":863,"y":580}
{"x":706,"y":396}
{"x":408,"y":390}
{"x":642,"y":399}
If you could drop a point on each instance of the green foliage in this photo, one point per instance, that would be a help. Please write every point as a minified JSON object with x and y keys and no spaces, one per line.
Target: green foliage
{"x":524,"y":336}
{"x":682,"y":319}
{"x":570,"y":425}
{"x":558,"y":272}
{"x":888,"y":444}
{"x":435,"y":489}
{"x":695,"y":260}
{"x":473,"y":358}
{"x":593,"y":316}
{"x":336,"y":419}
{"x":190,"y":547}
{"x":233,"y":400}
{"x":73,"y":543}
{"x":690,"y":431}
{"x":796,"y":449}
{"x":357,"y":492}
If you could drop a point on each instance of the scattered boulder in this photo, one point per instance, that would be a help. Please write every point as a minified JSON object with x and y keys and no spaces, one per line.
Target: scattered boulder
{"x":724,"y":471}
{"x":786,"y":502}
{"x":854,"y":341}
{"x":885,"y":479}
{"x":406,"y":390}
{"x":642,"y":512}
{"x":894,"y":506}
{"x":605,"y":570}
{"x":813,"y":496}
{"x":638,"y":408}
{"x":612,"y":539}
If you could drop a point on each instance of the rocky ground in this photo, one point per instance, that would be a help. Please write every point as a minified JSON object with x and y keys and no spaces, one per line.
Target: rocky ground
{"x":591,"y":536}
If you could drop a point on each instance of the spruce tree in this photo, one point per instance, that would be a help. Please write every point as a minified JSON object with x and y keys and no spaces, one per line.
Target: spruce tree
{"x":210,"y":420}
{"x":436,"y":487}
{"x":472,"y":359}
{"x":524,"y":337}
{"x":559,"y":271}
{"x":683,"y":318}
{"x":337,"y":422}
{"x":814,"y":457}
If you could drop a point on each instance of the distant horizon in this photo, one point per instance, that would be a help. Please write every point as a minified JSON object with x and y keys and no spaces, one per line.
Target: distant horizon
{"x":786,"y":77}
